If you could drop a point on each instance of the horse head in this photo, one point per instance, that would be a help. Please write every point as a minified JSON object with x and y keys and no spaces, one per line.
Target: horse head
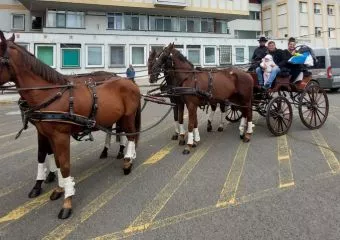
{"x":157,"y":66}
{"x":5,"y":71}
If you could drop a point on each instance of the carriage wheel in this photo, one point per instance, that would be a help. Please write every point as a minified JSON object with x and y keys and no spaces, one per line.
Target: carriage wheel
{"x":279,"y":116}
{"x":233,"y":114}
{"x":313,"y":107}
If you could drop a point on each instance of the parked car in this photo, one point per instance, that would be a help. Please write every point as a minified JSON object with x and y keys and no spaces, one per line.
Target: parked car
{"x":327,"y":69}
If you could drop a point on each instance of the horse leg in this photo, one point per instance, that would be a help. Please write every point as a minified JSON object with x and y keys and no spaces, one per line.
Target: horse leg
{"x":221,"y":126}
{"x":243,"y":123}
{"x":181,"y":123}
{"x":175,"y":135}
{"x":249,"y":132}
{"x":197,"y":137}
{"x":192,"y":109}
{"x":61,"y":144}
{"x":52,"y":167}
{"x":211,"y":117}
{"x":106,"y":146}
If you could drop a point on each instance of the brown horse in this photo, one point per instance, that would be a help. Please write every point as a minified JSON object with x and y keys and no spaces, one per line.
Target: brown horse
{"x":45,"y":149}
{"x":51,"y":94}
{"x":178,"y":109}
{"x":230,"y":85}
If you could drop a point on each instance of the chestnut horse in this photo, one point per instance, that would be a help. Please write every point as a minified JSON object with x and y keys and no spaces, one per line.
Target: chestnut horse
{"x":230,"y":85}
{"x":45,"y":149}
{"x":49,"y":94}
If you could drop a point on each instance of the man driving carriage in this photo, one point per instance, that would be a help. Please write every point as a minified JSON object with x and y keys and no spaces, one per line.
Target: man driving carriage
{"x":258,"y":54}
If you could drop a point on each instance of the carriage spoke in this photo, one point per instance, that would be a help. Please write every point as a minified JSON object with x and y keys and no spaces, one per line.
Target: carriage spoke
{"x":317,"y":114}
{"x":324,"y":115}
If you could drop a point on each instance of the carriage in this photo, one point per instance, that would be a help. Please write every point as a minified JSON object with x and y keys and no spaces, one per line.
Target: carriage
{"x":276,"y":103}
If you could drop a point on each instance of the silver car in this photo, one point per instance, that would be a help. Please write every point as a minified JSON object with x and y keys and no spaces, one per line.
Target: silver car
{"x":327,"y":69}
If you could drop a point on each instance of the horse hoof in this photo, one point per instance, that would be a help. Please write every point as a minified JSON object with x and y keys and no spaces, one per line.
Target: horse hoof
{"x":186,"y":151}
{"x":127,"y":170}
{"x":220,"y":129}
{"x":50,"y":177}
{"x":56,"y":195}
{"x":65,"y":213}
{"x":246,"y":138}
{"x":120,"y":155}
{"x":174,"y":137}
{"x":241,"y":136}
{"x":194,"y":144}
{"x":35,"y":192}
{"x":104,"y":153}
{"x":181,"y":142}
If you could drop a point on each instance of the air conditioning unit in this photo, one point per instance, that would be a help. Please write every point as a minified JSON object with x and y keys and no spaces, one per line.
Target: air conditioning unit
{"x":171,"y":3}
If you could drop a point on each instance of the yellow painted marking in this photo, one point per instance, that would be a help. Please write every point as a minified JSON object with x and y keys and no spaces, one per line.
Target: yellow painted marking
{"x":228,"y":192}
{"x":328,"y":154}
{"x":146,"y":217}
{"x":285,"y":168}
{"x":40,"y":201}
{"x":160,"y":154}
{"x":11,"y":188}
{"x":70,"y":225}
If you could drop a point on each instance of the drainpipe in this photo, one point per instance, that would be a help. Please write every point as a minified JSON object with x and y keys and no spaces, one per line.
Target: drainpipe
{"x":261,"y":16}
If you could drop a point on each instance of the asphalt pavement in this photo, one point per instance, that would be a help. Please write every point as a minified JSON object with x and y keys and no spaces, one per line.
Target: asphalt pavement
{"x":271,"y":188}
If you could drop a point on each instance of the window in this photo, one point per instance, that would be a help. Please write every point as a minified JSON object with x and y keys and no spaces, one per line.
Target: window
{"x":268,"y":33}
{"x":239,"y":55}
{"x":335,"y":60}
{"x":117,"y":56}
{"x":182,"y":24}
{"x":46,"y":54}
{"x":320,"y":62}
{"x":36,"y":23}
{"x":158,"y":49}
{"x":115,"y":21}
{"x":318,"y":31}
{"x":254,"y":15}
{"x":225,"y":55}
{"x":222,"y":27}
{"x":70,"y":55}
{"x":303,"y":7}
{"x":63,"y":19}
{"x":131,"y":22}
{"x":330,"y":10}
{"x":331,"y":33}
{"x":194,"y":54}
{"x":94,"y":56}
{"x":207,"y":25}
{"x":209,"y":55}
{"x":18,"y":21}
{"x":193,"y":25}
{"x":317,"y":8}
{"x":143,"y":22}
{"x":137,"y":55}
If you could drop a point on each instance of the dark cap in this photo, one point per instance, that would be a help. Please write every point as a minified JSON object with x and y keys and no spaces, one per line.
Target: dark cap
{"x":263,"y":39}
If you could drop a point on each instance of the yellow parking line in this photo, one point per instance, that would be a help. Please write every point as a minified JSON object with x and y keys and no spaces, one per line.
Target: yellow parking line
{"x":156,"y":205}
{"x":330,"y":157}
{"x":230,"y":186}
{"x":70,"y":225}
{"x":285,"y":168}
{"x":160,"y":154}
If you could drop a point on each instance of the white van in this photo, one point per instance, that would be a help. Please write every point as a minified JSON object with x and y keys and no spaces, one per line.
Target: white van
{"x":327,"y":69}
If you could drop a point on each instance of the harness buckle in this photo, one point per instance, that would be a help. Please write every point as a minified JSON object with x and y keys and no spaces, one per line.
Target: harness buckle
{"x":91,"y":123}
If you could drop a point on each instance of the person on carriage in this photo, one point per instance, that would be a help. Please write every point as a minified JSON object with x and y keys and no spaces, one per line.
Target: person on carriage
{"x":258,"y":54}
{"x":278,"y":62}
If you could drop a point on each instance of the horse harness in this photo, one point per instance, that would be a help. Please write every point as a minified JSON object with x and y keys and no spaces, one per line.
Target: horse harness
{"x":32,"y":114}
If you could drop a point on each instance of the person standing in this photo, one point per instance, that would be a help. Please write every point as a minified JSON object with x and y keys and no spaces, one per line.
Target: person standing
{"x":130,"y":73}
{"x":258,"y":54}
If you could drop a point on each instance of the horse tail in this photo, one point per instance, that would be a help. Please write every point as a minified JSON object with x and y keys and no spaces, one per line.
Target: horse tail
{"x":138,"y":120}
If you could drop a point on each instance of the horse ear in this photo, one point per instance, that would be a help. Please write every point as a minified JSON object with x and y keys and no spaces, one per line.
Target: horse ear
{"x":12,"y":38}
{"x":2,"y":37}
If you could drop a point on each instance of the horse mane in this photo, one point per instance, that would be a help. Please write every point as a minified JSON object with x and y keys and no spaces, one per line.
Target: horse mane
{"x":182,"y":58}
{"x":38,"y":67}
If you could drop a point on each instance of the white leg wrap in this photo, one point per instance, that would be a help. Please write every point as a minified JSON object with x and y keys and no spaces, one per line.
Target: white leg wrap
{"x":108,"y":141}
{"x":222,"y":119}
{"x":250,"y":127}
{"x":181,"y":129}
{"x":131,"y":150}
{"x":60,"y":179}
{"x":51,"y":163}
{"x":69,"y":186}
{"x":196,"y":135}
{"x":211,"y":116}
{"x":190,"y":138}
{"x":42,"y":171}
{"x":123,"y":140}
{"x":242,"y":125}
{"x":176,"y":127}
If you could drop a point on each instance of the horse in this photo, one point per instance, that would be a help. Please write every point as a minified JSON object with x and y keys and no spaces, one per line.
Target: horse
{"x":199,"y":87}
{"x":61,"y":107}
{"x":178,"y":109}
{"x":44,"y":148}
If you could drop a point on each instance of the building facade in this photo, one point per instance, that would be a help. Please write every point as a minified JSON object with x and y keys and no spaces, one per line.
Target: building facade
{"x":83,"y":36}
{"x":315,"y":22}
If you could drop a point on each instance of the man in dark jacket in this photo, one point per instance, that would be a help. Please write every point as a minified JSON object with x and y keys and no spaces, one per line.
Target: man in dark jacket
{"x":279,"y":61}
{"x":258,"y":54}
